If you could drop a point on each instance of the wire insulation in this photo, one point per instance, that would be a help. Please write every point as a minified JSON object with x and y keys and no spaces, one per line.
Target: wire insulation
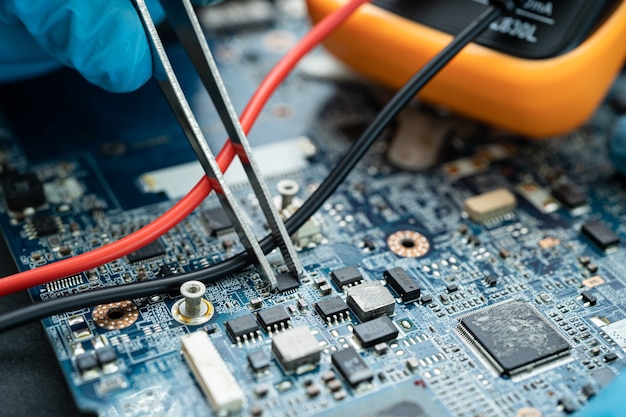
{"x":326,"y":188}
{"x":169,"y":219}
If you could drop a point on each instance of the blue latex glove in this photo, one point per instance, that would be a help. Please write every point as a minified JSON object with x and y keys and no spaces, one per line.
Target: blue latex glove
{"x":103,"y":39}
{"x":617,"y":145}
{"x":609,"y":402}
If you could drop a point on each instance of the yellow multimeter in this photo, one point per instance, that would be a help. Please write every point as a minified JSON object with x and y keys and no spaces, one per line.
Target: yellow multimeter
{"x":540,"y":72}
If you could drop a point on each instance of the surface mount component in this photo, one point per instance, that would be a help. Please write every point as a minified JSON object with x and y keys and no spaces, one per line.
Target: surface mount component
{"x":296,"y":349}
{"x":513,"y":337}
{"x":405,"y":286}
{"x":484,"y":207}
{"x":375,"y":331}
{"x":332,"y":309}
{"x":352,"y":367}
{"x":600,"y":234}
{"x":369,"y":300}
{"x":212,"y":374}
{"x":243,"y":329}
{"x":22,"y":191}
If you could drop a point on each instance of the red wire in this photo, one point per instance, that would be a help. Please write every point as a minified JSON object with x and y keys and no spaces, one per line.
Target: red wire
{"x":200,"y":191}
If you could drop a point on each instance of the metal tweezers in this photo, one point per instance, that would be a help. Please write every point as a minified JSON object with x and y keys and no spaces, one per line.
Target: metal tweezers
{"x":183,"y":19}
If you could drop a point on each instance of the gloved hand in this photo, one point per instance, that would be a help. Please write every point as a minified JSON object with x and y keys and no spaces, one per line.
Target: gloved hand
{"x":617,"y":146}
{"x":609,"y":402}
{"x":103,"y":39}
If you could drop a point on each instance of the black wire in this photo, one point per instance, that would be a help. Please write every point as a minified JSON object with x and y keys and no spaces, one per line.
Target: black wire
{"x":334,"y":179}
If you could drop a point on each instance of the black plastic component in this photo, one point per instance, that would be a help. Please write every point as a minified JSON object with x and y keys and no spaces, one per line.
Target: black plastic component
{"x":242,"y":328}
{"x":588,"y":391}
{"x":375,"y":331}
{"x":514,"y":337}
{"x":332,"y":309}
{"x":217,"y":221}
{"x":351,"y":366}
{"x":259,"y":361}
{"x":369,"y":244}
{"x":570,"y":195}
{"x":589,"y":298}
{"x":273,"y":319}
{"x":600,"y":234}
{"x":85,"y":362}
{"x":452,"y":288}
{"x":426,"y":299}
{"x":538,"y":30}
{"x":490,"y":280}
{"x":610,"y":357}
{"x":286,"y":282}
{"x":405,"y":286}
{"x":106,"y":354}
{"x":44,"y":225}
{"x":567,"y":405}
{"x":151,"y":250}
{"x":22,"y":191}
{"x":346,"y":276}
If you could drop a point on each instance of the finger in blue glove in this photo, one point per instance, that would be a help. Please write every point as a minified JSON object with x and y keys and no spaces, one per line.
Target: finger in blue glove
{"x":103,"y":39}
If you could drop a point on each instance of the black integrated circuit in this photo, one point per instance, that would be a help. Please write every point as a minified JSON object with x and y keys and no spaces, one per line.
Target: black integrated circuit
{"x":351,"y":366}
{"x":513,"y":337}
{"x":151,"y":250}
{"x":273,"y":319}
{"x":349,"y":275}
{"x":570,"y":195}
{"x":375,"y":331}
{"x":405,"y":286}
{"x":259,"y":361}
{"x":242,"y":328}
{"x":332,"y":309}
{"x":44,"y":225}
{"x":600,"y":234}
{"x":217,"y":222}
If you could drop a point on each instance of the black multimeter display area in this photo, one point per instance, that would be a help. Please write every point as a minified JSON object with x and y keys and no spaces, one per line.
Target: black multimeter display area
{"x":538,"y":30}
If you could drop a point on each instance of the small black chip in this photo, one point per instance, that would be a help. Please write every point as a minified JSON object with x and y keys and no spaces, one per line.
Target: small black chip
{"x":405,"y":286}
{"x":286,"y":282}
{"x":332,"y":309}
{"x":106,"y":354}
{"x":589,"y":299}
{"x":151,"y":250}
{"x":242,"y":328}
{"x":273,"y":319}
{"x":351,"y":366}
{"x":44,"y":225}
{"x":375,"y":331}
{"x":570,"y":195}
{"x":259,"y":361}
{"x":346,"y":276}
{"x":513,"y":337}
{"x":217,"y":222}
{"x":86,"y":361}
{"x":599,"y":234}
{"x":22,"y":191}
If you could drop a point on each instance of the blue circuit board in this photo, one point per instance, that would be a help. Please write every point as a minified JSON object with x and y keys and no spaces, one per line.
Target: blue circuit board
{"x":521,"y":307}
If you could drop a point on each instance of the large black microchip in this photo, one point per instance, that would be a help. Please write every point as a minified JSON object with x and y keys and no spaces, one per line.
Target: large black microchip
{"x":375,"y":331}
{"x":151,"y":250}
{"x":600,"y":234}
{"x":346,"y":276}
{"x":242,"y":328}
{"x":332,"y":309}
{"x":273,"y":319}
{"x":351,"y":366}
{"x":514,"y":337}
{"x":22,"y":191}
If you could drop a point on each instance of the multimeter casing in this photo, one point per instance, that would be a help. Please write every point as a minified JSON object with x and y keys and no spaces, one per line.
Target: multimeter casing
{"x":534,"y":80}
